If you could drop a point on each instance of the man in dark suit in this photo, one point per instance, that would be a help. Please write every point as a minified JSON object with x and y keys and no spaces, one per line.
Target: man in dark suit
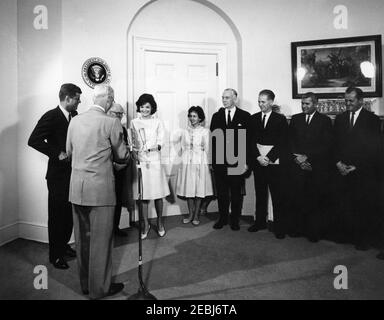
{"x":120,"y":172}
{"x":269,"y":158}
{"x":311,"y":137}
{"x":357,"y":154}
{"x":49,"y":137}
{"x":229,"y":128}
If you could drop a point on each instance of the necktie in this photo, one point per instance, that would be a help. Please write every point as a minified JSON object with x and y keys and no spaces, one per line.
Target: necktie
{"x":308,"y":117}
{"x":352,"y":119}
{"x":229,"y":118}
{"x":69,"y":118}
{"x":263,"y":121}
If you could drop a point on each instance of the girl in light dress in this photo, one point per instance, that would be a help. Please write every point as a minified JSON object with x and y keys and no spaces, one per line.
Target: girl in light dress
{"x":148,"y":134}
{"x":194,"y":180}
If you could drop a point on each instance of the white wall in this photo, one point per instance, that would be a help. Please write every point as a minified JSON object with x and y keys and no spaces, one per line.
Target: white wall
{"x":8,"y":122}
{"x":79,"y":30}
{"x":39,"y":79}
{"x":172,"y":20}
{"x":268,"y":28}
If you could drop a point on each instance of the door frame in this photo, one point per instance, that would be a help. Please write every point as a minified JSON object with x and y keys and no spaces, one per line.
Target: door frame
{"x":141,"y":45}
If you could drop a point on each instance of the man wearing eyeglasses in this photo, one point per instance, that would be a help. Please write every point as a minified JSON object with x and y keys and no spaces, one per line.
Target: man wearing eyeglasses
{"x":120,"y":171}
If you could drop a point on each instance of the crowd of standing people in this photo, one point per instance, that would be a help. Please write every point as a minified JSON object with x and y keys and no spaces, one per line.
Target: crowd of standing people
{"x":322,"y":178}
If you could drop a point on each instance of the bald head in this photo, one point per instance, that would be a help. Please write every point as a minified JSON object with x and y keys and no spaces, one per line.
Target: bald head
{"x":103,"y":95}
{"x":116,"y":110}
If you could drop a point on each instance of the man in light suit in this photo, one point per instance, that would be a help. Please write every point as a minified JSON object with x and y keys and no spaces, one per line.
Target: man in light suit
{"x":357,"y":157}
{"x":95,"y":140}
{"x":49,"y":137}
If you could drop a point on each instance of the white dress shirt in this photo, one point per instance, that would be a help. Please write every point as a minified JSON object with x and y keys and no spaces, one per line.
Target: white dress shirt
{"x":233,"y":110}
{"x":310,"y":117}
{"x":267,"y":115}
{"x":357,"y":112}
{"x":65,"y":112}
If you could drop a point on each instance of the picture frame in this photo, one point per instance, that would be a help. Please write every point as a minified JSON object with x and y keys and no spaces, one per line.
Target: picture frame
{"x":327,"y":67}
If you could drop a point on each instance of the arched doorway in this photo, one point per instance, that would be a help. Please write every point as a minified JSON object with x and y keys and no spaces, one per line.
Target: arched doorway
{"x":171,"y":42}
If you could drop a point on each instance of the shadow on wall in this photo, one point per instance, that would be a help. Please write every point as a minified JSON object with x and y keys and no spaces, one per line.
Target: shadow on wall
{"x":8,"y":176}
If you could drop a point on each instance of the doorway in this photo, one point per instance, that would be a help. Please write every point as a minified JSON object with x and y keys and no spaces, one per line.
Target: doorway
{"x":179,"y":75}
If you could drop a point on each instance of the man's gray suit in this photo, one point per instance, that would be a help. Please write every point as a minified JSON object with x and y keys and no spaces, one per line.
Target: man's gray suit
{"x":94,"y":142}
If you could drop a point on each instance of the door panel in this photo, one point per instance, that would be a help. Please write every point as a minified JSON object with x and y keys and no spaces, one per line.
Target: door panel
{"x":179,"y":81}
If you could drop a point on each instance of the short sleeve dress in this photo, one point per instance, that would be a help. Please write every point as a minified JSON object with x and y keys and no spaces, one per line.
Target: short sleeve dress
{"x":194,"y":177}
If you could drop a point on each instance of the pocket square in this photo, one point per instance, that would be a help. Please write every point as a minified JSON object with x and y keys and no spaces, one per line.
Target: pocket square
{"x":240,"y":125}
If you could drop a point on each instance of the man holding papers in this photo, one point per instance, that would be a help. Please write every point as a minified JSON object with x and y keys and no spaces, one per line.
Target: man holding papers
{"x":269,"y":143}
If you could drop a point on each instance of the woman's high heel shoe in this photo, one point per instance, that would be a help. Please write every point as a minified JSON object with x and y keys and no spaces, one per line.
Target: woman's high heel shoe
{"x":145,"y":234}
{"x":161,"y":233}
{"x":186,"y":220}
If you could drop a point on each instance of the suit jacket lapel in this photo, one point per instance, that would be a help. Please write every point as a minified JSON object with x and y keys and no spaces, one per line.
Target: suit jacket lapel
{"x":313,"y":121}
{"x":222,"y":119}
{"x":235,"y":117}
{"x":269,"y":122}
{"x":61,"y":116}
{"x":360,"y":119}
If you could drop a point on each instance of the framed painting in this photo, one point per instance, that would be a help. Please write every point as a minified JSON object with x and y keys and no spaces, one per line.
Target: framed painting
{"x":327,"y":67}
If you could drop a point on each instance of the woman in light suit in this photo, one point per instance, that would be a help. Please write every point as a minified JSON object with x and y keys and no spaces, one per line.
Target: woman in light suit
{"x":148,"y":132}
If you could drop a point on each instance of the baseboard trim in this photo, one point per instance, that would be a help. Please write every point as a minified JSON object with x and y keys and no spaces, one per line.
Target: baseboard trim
{"x":36,"y":232}
{"x":9,"y":233}
{"x":39,"y":232}
{"x":33,"y":231}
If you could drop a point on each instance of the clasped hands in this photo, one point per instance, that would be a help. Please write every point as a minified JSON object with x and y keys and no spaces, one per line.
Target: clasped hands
{"x":63,"y":156}
{"x":263,"y":160}
{"x":345,"y":169}
{"x":302,"y":161}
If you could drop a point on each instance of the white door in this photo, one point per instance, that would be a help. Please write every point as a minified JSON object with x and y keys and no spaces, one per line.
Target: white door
{"x":178,"y":81}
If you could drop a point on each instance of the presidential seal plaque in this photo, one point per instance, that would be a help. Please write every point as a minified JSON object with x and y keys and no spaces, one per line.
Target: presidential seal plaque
{"x":95,"y":71}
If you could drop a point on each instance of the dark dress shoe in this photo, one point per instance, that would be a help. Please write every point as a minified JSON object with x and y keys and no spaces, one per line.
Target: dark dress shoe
{"x":235,"y":226}
{"x":256,"y":227}
{"x":85,"y":292}
{"x":70,"y":252}
{"x":279,"y":236}
{"x":380,"y":255}
{"x":220,"y":224}
{"x":115,"y":288}
{"x":60,"y":263}
{"x":120,"y":233}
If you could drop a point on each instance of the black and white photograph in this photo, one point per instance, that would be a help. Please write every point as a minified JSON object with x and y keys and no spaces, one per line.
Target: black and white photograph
{"x":197,"y":154}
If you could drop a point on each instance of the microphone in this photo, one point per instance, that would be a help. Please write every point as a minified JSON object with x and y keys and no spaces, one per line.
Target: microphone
{"x":130,"y":139}
{"x":142,"y":137}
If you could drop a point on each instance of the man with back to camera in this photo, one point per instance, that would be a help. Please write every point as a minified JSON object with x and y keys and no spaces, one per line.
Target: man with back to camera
{"x":357,"y":153}
{"x":310,"y":134}
{"x":95,"y":140}
{"x":269,"y":145}
{"x":229,"y":176}
{"x":49,"y":138}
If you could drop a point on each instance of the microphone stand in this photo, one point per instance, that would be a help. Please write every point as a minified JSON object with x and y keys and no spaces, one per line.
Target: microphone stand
{"x":142,"y":293}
